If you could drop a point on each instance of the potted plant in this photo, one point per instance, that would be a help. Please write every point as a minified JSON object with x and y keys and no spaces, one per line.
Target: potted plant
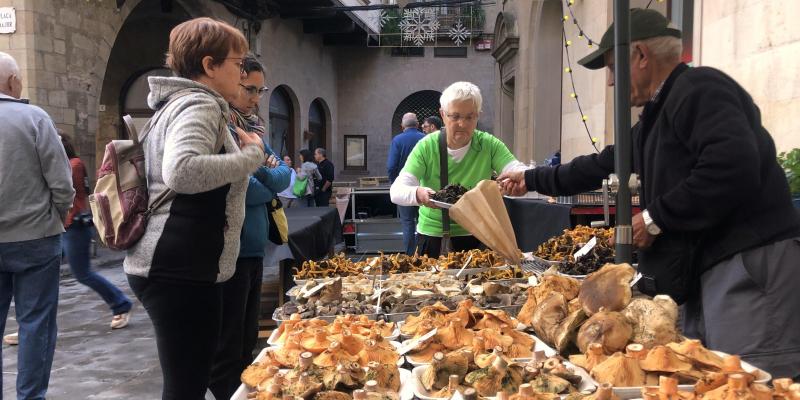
{"x":790,"y":161}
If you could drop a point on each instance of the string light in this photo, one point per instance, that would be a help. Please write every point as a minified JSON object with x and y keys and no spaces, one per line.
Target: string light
{"x":568,"y":70}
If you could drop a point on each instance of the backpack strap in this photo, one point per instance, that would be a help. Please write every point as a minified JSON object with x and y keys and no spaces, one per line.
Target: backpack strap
{"x":168,"y":194}
{"x":443,"y":178}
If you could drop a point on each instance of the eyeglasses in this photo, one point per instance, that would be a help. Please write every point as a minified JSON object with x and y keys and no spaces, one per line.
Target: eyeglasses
{"x":458,"y":117}
{"x":254,"y":91}
{"x":240,"y":63}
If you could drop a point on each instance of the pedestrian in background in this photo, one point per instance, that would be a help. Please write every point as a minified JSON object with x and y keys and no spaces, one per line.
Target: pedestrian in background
{"x":78,"y":238}
{"x":309,"y":171}
{"x":324,"y":187}
{"x":241,"y":295}
{"x":431,"y":124}
{"x":36,"y":193}
{"x":401,"y":147}
{"x":287,"y":196}
{"x":191,"y":243}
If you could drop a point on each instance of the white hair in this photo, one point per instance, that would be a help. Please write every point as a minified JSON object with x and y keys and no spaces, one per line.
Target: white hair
{"x":8,"y":67}
{"x":461,"y":91}
{"x":662,"y":48}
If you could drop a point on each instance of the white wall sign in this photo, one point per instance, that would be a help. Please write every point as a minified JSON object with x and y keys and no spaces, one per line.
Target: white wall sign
{"x":8,"y":20}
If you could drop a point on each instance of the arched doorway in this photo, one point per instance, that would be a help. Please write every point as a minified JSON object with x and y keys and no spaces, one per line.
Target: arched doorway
{"x":317,"y":125}
{"x":424,"y":103}
{"x":133,"y":100}
{"x":281,"y":122}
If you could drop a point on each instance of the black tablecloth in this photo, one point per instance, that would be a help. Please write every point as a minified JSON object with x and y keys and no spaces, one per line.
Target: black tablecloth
{"x":313,"y":232}
{"x":535,"y":221}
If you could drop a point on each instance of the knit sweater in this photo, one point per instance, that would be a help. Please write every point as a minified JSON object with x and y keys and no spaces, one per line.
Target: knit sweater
{"x":193,"y":238}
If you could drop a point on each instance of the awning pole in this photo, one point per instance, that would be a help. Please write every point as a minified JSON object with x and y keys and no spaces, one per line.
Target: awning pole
{"x":622,"y":127}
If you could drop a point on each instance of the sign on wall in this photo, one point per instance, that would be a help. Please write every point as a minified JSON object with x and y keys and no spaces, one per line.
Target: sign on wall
{"x":8,"y":20}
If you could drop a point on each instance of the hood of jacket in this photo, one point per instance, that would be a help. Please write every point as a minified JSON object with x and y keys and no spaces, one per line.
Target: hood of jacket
{"x":162,"y":87}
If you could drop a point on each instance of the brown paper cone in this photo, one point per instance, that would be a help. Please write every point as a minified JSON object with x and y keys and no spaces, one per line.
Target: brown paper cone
{"x":482,"y":212}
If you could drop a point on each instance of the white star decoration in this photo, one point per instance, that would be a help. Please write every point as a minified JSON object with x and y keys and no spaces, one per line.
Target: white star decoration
{"x":419,"y":25}
{"x":458,"y":33}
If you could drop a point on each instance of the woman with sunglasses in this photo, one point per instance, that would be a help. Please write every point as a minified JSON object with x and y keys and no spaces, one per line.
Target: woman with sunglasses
{"x":191,"y":243}
{"x":241,"y":295}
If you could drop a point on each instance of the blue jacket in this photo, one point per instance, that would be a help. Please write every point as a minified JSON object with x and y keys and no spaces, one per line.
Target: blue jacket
{"x":265,"y":184}
{"x":402,"y":145}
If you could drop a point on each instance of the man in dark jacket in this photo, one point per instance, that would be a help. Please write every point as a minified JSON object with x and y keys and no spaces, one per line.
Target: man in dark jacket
{"x":324,"y":187}
{"x":718,"y":230}
{"x":401,"y":147}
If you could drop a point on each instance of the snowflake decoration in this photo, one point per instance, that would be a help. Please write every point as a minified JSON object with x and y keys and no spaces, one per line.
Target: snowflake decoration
{"x":382,"y":18}
{"x":419,"y":25}
{"x":458,"y":33}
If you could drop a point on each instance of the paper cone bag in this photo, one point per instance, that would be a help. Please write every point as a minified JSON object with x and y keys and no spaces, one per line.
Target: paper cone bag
{"x":482,"y":212}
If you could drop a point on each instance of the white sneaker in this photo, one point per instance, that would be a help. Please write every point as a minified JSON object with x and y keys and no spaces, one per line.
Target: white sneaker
{"x":12,"y":339}
{"x":120,"y":321}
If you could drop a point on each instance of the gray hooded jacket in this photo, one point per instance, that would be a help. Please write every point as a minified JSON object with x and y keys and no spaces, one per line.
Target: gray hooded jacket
{"x":194,"y":238}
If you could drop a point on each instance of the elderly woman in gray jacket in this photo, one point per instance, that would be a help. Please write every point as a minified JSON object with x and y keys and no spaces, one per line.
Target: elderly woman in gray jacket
{"x":191,"y":243}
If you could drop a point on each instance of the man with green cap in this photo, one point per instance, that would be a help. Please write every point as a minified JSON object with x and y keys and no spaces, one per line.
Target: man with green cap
{"x":718,"y":231}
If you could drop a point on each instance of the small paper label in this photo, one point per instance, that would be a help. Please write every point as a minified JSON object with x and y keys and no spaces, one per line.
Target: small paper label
{"x":457,"y":396}
{"x":464,"y":266}
{"x":636,"y":279}
{"x":585,"y":249}
{"x":315,"y":289}
{"x":414,"y":343}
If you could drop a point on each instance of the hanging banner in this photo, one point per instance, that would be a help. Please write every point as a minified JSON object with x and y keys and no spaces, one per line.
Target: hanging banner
{"x":8,"y":20}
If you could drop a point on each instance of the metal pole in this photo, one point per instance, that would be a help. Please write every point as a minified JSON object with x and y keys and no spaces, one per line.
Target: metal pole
{"x":622,"y":126}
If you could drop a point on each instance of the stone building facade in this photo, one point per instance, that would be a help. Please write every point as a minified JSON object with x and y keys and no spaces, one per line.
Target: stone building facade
{"x":85,"y":62}
{"x":755,"y":42}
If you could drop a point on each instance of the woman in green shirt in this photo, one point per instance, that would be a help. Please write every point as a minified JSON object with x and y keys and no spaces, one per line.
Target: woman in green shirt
{"x":472,"y":156}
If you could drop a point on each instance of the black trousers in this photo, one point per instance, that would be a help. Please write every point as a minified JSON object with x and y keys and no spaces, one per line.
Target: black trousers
{"x":186,"y":320}
{"x":431,"y":246}
{"x":241,"y":300}
{"x":323,"y":199}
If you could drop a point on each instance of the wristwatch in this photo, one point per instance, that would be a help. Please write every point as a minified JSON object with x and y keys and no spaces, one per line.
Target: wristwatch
{"x":649,"y":224}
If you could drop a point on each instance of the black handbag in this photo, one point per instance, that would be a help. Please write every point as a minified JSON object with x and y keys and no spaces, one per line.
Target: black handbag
{"x":668,"y":267}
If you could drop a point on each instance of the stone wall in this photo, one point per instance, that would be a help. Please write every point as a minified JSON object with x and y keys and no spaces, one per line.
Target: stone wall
{"x":757,"y":42}
{"x":371,"y":84}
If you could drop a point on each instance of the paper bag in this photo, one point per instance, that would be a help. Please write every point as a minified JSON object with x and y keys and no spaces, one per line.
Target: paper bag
{"x":482,"y":212}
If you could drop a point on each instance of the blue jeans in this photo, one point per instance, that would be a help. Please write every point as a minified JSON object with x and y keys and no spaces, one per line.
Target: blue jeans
{"x":408,"y":220}
{"x":30,"y":270}
{"x":77,"y":240}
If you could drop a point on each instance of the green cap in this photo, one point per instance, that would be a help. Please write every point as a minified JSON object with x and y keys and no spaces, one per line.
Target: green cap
{"x":645,"y":24}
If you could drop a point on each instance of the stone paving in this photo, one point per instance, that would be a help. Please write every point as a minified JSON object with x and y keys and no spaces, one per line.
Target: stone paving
{"x":91,"y":360}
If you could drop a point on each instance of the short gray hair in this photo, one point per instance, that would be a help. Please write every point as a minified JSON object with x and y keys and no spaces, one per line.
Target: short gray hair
{"x":410,"y":120}
{"x":8,"y":67}
{"x":461,"y":91}
{"x":663,"y":48}
{"x":321,"y":151}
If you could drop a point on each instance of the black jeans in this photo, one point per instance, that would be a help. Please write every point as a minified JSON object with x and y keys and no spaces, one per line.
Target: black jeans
{"x":323,"y":199}
{"x":431,"y":246}
{"x":186,"y":320}
{"x":241,"y":300}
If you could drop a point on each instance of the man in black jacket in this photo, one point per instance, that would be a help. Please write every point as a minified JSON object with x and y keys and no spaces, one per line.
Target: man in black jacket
{"x":324,"y":187}
{"x":718,"y":231}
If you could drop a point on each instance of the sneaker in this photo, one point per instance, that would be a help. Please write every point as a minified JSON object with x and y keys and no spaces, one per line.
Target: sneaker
{"x":120,"y":321}
{"x":12,"y":339}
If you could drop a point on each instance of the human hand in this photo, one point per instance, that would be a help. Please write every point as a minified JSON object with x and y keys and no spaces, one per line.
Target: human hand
{"x":424,"y":196}
{"x":249,"y":139}
{"x":642,"y":239}
{"x":512,"y":183}
{"x":271,"y":162}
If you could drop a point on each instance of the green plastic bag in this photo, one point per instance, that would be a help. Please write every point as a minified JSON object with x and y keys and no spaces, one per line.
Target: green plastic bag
{"x":300,"y":187}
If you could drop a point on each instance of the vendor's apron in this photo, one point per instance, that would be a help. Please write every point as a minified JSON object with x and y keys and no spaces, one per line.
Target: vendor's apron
{"x":749,"y":305}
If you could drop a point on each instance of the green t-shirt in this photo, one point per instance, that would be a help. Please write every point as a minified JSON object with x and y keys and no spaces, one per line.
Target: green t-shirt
{"x":486,"y":154}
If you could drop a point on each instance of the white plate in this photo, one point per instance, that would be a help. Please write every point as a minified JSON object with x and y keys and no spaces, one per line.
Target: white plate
{"x":538,"y":346}
{"x":406,"y":381}
{"x":586,"y":385}
{"x":635,"y":392}
{"x":273,"y":337}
